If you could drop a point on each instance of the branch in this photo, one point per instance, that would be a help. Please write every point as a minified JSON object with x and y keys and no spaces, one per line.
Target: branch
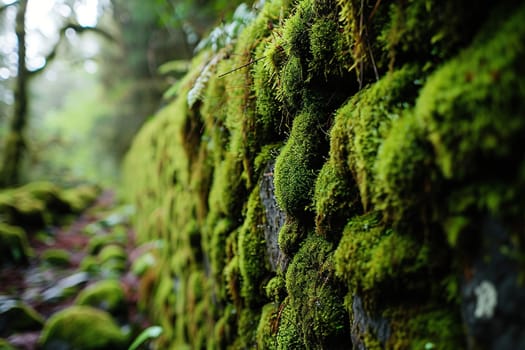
{"x":77,"y":28}
{"x":6,"y":6}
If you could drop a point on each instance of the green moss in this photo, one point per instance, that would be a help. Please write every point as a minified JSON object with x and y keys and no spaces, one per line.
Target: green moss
{"x":405,"y":172}
{"x":79,"y":198}
{"x":314,"y":297}
{"x":470,"y":104}
{"x":292,"y":81}
{"x":82,"y":327}
{"x":336,"y":198}
{"x":107,"y":295}
{"x":290,"y":236}
{"x":371,"y":256}
{"x":225,"y":328}
{"x":297,"y":166}
{"x":112,"y":252}
{"x":4,"y":345}
{"x":232,"y":279}
{"x":98,"y":242}
{"x":247,"y":329}
{"x":253,"y":264}
{"x":221,"y":230}
{"x":267,"y":328}
{"x":276,"y":289}
{"x":289,"y":334}
{"x":228,"y":189}
{"x":14,"y":246}
{"x":57,"y":257}
{"x":429,"y":327}
{"x":18,"y":317}
{"x":271,"y":59}
{"x":327,"y":48}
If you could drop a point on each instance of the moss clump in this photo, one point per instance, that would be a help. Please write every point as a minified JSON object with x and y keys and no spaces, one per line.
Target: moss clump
{"x":276,"y":289}
{"x":470,"y":105}
{"x":82,"y":327}
{"x":113,"y":252}
{"x":429,"y":327}
{"x":406,"y":178}
{"x":315,"y":300}
{"x":18,"y":317}
{"x":56,"y":257}
{"x":107,"y":295}
{"x":267,"y":328}
{"x":297,"y":166}
{"x":290,"y":236}
{"x":289,"y":334}
{"x":253,"y":264}
{"x":14,"y":246}
{"x":370,"y":257}
{"x":336,"y":198}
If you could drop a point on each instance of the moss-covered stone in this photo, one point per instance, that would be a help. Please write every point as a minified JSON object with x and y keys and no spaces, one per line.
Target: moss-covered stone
{"x":17,"y":317}
{"x":316,"y":302}
{"x":14,"y":246}
{"x":394,"y":132}
{"x":56,"y":257}
{"x":107,"y":295}
{"x":253,"y":264}
{"x":370,"y":256}
{"x":83,"y":328}
{"x":297,"y":166}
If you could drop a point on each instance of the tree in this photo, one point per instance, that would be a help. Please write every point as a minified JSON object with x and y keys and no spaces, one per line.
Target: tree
{"x":15,"y":141}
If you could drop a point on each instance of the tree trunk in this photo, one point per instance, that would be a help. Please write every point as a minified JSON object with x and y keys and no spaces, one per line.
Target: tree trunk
{"x":15,"y":145}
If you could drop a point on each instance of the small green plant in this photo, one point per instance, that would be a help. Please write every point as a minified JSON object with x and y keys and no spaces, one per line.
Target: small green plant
{"x":148,"y":333}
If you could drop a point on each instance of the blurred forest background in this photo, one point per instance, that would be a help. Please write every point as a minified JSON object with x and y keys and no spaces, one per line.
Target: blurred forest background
{"x":95,"y":71}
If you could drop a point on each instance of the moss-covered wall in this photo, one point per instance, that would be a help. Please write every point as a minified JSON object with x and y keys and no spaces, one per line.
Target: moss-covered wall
{"x":348,"y":173}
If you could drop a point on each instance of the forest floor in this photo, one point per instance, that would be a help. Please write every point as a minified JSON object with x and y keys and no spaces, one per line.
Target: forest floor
{"x":49,"y":287}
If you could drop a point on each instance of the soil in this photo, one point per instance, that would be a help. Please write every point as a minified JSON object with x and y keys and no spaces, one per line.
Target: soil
{"x":36,"y":283}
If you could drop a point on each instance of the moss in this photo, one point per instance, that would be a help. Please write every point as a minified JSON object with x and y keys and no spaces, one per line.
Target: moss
{"x":290,"y":236}
{"x":18,"y":317}
{"x":315,"y":297}
{"x":107,"y":295}
{"x":271,"y":59}
{"x":329,"y":57}
{"x":407,"y":181}
{"x":4,"y":345}
{"x":297,"y":166}
{"x":232,"y":280}
{"x":247,"y":329}
{"x":82,"y":327}
{"x":371,"y":257}
{"x":430,"y":327}
{"x":253,"y":264}
{"x":225,"y":328}
{"x":56,"y":257}
{"x":276,"y":289}
{"x":267,"y":328}
{"x":112,"y":252}
{"x":292,"y":80}
{"x":470,"y":104}
{"x":79,"y":198}
{"x":228,"y":188}
{"x":336,"y":198}
{"x":98,"y":242}
{"x":14,"y":246}
{"x":221,"y":230}
{"x":289,"y":334}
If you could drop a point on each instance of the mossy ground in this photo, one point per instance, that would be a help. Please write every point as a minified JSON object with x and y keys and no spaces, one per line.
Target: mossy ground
{"x":394,"y":126}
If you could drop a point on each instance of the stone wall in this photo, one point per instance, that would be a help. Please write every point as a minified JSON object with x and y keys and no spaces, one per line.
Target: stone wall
{"x":343,"y":174}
